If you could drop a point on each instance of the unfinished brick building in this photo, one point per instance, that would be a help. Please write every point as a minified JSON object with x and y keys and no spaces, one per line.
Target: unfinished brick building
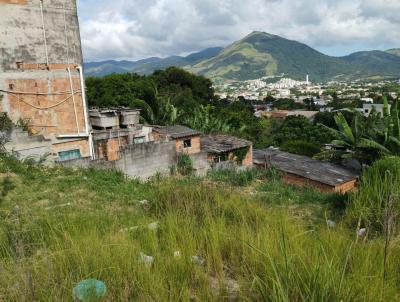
{"x":41,"y":77}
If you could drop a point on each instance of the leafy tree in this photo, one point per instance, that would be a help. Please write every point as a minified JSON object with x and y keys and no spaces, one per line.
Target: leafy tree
{"x":301,"y":128}
{"x":301,"y":148}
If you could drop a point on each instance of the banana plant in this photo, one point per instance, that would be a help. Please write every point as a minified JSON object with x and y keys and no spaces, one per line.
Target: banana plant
{"x":354,"y":140}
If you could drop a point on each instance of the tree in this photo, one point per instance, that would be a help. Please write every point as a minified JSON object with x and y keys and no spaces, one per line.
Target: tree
{"x":300,"y":128}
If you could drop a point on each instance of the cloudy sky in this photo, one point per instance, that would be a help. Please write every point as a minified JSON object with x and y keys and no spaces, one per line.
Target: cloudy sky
{"x":136,"y":29}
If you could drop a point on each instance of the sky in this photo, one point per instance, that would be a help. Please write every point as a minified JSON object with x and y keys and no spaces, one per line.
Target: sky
{"x":137,"y":29}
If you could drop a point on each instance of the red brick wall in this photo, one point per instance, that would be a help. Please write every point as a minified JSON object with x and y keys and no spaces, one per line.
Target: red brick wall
{"x":60,"y":119}
{"x":20,"y":2}
{"x":301,"y":181}
{"x":192,"y":150}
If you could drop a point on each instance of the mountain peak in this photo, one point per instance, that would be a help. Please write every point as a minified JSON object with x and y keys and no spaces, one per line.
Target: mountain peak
{"x":259,"y":33}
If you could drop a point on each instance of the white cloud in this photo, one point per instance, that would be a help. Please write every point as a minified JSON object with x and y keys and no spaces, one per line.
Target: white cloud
{"x":134,"y":29}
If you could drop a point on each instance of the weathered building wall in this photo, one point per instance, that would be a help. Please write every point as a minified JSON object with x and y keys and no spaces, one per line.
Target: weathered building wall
{"x":200,"y":163}
{"x":147,"y":159}
{"x":248,"y":159}
{"x":39,"y":40}
{"x":301,"y":181}
{"x":144,"y":160}
{"x":195,"y":145}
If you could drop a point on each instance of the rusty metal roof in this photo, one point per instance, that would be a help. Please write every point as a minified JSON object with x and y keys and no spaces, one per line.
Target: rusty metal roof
{"x":320,"y":171}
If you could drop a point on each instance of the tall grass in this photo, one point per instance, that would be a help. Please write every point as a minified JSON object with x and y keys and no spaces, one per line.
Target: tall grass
{"x":271,"y":252}
{"x":380,"y":182}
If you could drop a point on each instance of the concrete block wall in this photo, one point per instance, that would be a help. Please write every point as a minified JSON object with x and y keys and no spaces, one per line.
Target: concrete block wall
{"x":147,"y":159}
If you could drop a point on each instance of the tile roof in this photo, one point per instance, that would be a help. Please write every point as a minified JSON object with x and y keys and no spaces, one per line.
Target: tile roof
{"x":221,"y":143}
{"x":177,"y":131}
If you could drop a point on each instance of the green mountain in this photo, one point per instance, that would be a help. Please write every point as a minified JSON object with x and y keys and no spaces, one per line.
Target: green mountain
{"x":147,"y":66}
{"x":373,"y":63}
{"x":261,"y":54}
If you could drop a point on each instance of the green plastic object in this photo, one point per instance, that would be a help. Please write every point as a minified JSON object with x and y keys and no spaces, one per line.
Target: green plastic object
{"x":89,"y":290}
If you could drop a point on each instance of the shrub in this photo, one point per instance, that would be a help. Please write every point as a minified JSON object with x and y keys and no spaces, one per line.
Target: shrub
{"x":301,"y":147}
{"x":184,"y":164}
{"x":241,"y":177}
{"x":5,"y":122}
{"x":379,"y":182}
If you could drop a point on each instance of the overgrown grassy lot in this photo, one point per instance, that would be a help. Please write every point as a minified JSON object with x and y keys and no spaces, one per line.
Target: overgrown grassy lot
{"x":256,"y":239}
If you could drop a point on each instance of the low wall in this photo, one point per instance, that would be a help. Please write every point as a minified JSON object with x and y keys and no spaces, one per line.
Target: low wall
{"x":200,"y":163}
{"x":144,"y":160}
{"x":147,"y":159}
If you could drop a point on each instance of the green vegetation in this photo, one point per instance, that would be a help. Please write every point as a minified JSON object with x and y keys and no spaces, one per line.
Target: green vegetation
{"x":379,"y":189}
{"x":366,"y":139}
{"x":175,"y":96}
{"x":301,"y":147}
{"x":296,"y":128}
{"x":265,"y":241}
{"x":184,"y":164}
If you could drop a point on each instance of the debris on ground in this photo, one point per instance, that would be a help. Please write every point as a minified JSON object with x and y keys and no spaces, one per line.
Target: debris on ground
{"x":134,"y":228}
{"x":198,"y":260}
{"x":230,"y":286}
{"x":146,"y":259}
{"x":153,"y":226}
{"x":87,"y":290}
{"x":330,"y":223}
{"x":64,"y":205}
{"x":361,"y":232}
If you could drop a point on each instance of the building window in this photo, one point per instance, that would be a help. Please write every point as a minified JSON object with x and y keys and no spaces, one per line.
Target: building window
{"x":187,"y":143}
{"x":139,"y":140}
{"x":69,"y":155}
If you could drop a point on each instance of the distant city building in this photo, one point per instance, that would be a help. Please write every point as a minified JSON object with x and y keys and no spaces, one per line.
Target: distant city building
{"x":367,"y":109}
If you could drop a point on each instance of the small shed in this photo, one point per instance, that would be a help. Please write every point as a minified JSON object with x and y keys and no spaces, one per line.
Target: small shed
{"x":302,"y":170}
{"x":222,"y":147}
{"x":186,"y":139}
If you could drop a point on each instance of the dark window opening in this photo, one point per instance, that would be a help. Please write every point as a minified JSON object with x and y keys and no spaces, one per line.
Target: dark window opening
{"x":187,"y":143}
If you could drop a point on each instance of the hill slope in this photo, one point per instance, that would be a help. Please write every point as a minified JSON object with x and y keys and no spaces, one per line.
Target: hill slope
{"x":190,"y":239}
{"x":372,"y":63}
{"x":147,"y":66}
{"x":261,"y":54}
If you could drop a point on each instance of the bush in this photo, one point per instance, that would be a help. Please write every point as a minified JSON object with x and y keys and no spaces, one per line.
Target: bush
{"x":184,"y":164}
{"x":380,"y":182}
{"x":301,"y":147}
{"x":5,"y":123}
{"x":241,"y":177}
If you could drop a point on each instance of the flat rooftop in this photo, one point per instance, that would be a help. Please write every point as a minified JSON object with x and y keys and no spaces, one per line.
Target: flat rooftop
{"x":320,"y":171}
